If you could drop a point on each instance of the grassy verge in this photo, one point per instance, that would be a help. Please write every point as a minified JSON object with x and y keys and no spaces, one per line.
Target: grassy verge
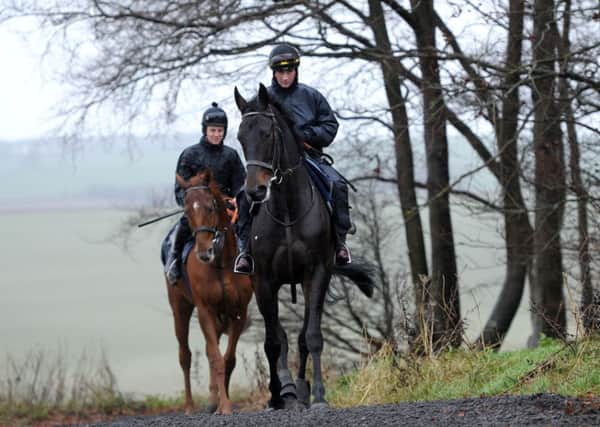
{"x":34,"y":394}
{"x":553,"y":367}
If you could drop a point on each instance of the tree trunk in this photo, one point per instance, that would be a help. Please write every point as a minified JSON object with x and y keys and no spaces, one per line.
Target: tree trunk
{"x":516,"y":222}
{"x":548,"y":308}
{"x":589,"y":304}
{"x":447,"y":329}
{"x":404,"y":163}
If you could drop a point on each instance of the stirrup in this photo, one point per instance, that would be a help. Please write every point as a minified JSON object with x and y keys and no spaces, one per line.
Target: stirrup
{"x":250,"y":261}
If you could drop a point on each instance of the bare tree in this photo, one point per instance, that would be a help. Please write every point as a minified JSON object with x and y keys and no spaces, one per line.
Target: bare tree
{"x":549,"y":315}
{"x":136,"y":51}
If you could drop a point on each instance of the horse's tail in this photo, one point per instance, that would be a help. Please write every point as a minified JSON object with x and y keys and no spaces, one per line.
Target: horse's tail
{"x":361,"y":273}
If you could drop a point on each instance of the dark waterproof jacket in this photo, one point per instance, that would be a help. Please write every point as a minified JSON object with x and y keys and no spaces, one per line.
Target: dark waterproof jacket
{"x":224,"y":162}
{"x":310,"y":111}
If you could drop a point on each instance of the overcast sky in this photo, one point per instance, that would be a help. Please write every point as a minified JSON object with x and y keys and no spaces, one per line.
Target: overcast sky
{"x":27,"y":98}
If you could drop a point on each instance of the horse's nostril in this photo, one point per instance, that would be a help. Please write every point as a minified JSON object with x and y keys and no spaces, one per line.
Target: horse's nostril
{"x":259,"y":193}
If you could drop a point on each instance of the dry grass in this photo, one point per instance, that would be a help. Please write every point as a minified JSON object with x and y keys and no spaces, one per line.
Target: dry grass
{"x":568,"y":369}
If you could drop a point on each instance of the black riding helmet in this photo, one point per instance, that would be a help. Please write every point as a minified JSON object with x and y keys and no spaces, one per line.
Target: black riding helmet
{"x":214,"y":116}
{"x":284,"y":57}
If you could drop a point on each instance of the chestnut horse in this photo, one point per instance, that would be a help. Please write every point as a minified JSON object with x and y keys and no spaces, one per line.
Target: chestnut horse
{"x":220,"y":296}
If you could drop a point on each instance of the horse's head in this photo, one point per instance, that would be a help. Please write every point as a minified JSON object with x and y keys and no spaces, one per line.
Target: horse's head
{"x":204,"y":208}
{"x":262,"y":135}
{"x":257,"y":135}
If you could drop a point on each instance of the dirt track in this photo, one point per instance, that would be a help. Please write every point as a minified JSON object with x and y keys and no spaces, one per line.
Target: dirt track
{"x":541,"y":409}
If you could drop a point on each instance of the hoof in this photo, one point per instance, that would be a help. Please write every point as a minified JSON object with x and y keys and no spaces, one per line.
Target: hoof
{"x":211,"y":408}
{"x":290,"y":402}
{"x":319,"y":406}
{"x":303,"y":390}
{"x":273,"y":405}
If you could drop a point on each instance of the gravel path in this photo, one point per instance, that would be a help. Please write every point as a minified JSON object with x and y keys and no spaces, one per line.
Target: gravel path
{"x":540,"y":409}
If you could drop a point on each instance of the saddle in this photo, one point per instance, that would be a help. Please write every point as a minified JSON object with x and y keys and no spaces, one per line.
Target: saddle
{"x":321,"y":181}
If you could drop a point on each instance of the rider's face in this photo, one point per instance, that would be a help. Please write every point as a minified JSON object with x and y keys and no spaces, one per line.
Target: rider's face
{"x":285,"y":78}
{"x":214,"y":134}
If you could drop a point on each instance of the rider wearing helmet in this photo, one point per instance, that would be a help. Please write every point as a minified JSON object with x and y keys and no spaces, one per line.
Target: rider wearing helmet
{"x":316,"y":127}
{"x":227,"y":170}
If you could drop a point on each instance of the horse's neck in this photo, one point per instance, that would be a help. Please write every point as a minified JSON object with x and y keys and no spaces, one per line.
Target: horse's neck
{"x":294,"y":190}
{"x":226,"y":226}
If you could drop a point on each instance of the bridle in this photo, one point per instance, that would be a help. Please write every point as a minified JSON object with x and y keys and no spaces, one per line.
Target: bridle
{"x":218,"y":240}
{"x":275,"y":167}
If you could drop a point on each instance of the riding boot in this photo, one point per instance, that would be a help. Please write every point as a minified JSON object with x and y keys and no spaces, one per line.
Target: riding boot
{"x":342,"y":253}
{"x":341,"y":223}
{"x":244,"y":263}
{"x":173,"y":264}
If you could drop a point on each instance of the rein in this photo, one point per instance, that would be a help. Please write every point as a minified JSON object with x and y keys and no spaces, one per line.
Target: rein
{"x":275,"y":165}
{"x":218,"y":244}
{"x":219,"y":235}
{"x":275,"y":168}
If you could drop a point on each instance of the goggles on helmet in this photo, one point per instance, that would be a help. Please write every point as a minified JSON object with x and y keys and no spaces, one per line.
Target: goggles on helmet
{"x":286,"y":61}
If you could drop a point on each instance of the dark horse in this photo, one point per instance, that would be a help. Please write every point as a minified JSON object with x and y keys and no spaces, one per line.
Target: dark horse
{"x":291,"y":242}
{"x":220,"y":296}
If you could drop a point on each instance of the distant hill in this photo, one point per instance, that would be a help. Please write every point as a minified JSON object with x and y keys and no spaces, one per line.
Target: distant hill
{"x":50,"y":174}
{"x":120,"y":172}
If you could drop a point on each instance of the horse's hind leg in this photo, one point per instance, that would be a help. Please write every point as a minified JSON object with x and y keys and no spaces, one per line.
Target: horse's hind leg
{"x":182,"y":311}
{"x":314,"y":336}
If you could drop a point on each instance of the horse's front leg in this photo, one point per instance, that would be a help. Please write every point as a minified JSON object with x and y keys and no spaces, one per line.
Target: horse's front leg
{"x":213,"y":388}
{"x":236,"y":326}
{"x":208,"y":324}
{"x":266,"y":299}
{"x":314,"y":335}
{"x":302,"y":385}
{"x":182,"y":312}
{"x":288,"y":387}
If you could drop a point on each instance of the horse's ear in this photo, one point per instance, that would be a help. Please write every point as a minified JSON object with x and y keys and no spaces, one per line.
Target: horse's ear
{"x":239,"y":99}
{"x":180,"y":180}
{"x":206,"y":176}
{"x":263,"y":97}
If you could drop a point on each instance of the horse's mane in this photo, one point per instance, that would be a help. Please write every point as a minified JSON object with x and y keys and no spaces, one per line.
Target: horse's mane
{"x":221,"y":209}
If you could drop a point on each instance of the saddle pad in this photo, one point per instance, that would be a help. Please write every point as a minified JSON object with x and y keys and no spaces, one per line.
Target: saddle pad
{"x":320,"y":180}
{"x":166,"y":247}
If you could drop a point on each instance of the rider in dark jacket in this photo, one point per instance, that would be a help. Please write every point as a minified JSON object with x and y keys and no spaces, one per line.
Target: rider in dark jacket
{"x":227,"y":170}
{"x":316,"y":127}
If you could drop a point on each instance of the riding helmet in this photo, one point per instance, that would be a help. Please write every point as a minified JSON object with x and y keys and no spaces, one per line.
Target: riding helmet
{"x":284,"y":57}
{"x":214,"y":116}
